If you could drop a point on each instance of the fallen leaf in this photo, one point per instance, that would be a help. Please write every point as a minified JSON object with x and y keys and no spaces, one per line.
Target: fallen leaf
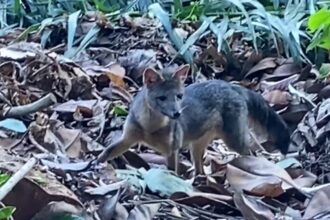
{"x":37,"y":188}
{"x":108,"y":188}
{"x":61,"y":210}
{"x":222,"y":203}
{"x":165,"y":183}
{"x":144,"y":211}
{"x":116,"y":73}
{"x":264,"y":64}
{"x":277,"y":97}
{"x":107,"y":208}
{"x":239,"y":180}
{"x":262,"y":168}
{"x":318,"y":204}
{"x":13,"y":125}
{"x":251,"y":208}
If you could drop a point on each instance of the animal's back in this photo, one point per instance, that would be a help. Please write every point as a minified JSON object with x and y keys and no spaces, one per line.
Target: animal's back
{"x":206,"y":104}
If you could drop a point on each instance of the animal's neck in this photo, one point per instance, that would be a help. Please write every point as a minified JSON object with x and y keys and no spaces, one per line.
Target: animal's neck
{"x":150,"y":119}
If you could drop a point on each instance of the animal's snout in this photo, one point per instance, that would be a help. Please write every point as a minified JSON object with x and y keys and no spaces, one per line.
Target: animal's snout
{"x":176,"y":115}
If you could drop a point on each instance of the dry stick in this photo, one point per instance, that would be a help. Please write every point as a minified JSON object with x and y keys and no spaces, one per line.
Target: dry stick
{"x":9,"y":185}
{"x":44,"y":102}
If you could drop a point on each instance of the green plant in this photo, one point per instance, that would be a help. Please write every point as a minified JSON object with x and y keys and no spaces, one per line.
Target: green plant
{"x":6,"y":212}
{"x":319,"y":26}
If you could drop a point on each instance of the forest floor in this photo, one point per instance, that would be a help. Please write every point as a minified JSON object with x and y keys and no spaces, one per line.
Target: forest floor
{"x":61,"y":107}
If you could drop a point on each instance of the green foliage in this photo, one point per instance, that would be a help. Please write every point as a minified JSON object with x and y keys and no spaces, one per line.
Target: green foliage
{"x":4,"y":178}
{"x":5,"y":212}
{"x":319,"y":25}
{"x":324,"y":70}
{"x":120,"y":110}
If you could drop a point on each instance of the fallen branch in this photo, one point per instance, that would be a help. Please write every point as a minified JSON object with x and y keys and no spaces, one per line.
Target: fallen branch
{"x":44,"y":102}
{"x":11,"y":183}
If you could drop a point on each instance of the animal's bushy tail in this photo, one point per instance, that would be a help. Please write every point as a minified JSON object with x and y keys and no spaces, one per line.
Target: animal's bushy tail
{"x":261,"y":112}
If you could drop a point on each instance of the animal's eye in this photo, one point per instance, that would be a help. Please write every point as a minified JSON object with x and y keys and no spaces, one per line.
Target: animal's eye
{"x":179,"y":96}
{"x":162,"y":98}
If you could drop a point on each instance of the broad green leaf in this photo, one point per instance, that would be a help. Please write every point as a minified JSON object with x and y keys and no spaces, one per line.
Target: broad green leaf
{"x":4,"y":178}
{"x":316,"y":20}
{"x":120,"y":110}
{"x":134,"y":178}
{"x":324,"y":70}
{"x":165,"y":182}
{"x":7,"y":212}
{"x":72,"y":25}
{"x":13,"y":125}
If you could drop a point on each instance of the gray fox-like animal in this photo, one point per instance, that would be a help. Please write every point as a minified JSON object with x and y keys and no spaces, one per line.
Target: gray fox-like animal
{"x":166,"y":116}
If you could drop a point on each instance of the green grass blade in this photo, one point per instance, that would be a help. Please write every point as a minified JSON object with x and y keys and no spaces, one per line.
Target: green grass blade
{"x":164,"y":18}
{"x":90,"y":37}
{"x":72,"y":26}
{"x":25,"y":33}
{"x":219,"y":30}
{"x":261,"y":11}
{"x":195,"y":36}
{"x":177,"y":6}
{"x":240,"y":6}
{"x":44,"y":37}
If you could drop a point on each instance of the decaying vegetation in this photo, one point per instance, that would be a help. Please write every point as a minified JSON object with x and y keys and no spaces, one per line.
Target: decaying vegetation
{"x":69,"y":70}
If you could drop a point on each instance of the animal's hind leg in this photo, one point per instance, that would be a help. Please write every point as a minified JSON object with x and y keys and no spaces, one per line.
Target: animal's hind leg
{"x":235,"y":131}
{"x":197,"y":151}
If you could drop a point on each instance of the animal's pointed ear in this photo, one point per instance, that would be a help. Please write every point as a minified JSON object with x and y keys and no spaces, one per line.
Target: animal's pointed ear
{"x":151,"y":76}
{"x":182,"y":73}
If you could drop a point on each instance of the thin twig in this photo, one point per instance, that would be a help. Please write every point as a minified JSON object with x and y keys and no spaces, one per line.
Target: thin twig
{"x":11,"y":183}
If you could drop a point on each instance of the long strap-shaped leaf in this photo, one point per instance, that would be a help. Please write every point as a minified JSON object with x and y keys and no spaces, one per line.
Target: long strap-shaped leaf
{"x":164,"y":18}
{"x":72,"y":26}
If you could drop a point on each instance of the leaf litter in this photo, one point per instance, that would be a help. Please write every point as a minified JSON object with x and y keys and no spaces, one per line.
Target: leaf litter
{"x":64,"y":101}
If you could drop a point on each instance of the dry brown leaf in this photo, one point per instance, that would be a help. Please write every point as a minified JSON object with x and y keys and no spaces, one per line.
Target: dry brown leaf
{"x":258,"y":185}
{"x":116,"y":73}
{"x":262,"y":167}
{"x":287,"y":69}
{"x":37,"y":189}
{"x":277,"y":97}
{"x":222,"y":202}
{"x":144,"y":211}
{"x":319,"y":204}
{"x":302,"y":177}
{"x":251,"y":208}
{"x":262,"y":65}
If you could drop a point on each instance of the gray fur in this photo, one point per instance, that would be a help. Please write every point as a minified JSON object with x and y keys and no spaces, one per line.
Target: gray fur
{"x":208,"y":110}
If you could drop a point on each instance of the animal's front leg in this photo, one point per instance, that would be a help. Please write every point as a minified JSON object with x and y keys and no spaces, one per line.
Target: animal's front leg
{"x":117,"y":148}
{"x":173,"y":161}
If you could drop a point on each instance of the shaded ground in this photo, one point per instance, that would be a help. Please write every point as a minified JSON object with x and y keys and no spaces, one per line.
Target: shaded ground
{"x":82,"y":103}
